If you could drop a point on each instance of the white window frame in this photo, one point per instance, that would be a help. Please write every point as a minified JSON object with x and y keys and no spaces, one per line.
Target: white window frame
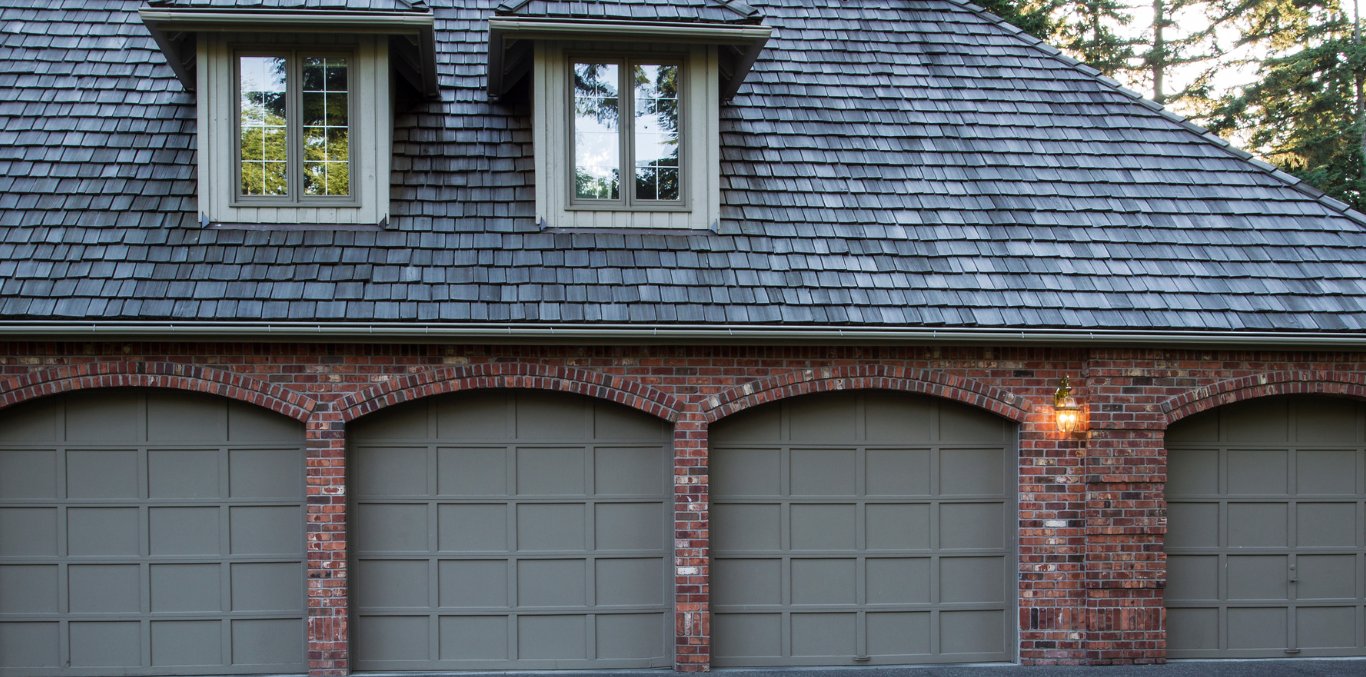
{"x":699,"y":154}
{"x":369,"y":99}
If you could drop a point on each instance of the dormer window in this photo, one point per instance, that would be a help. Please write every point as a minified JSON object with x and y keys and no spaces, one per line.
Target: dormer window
{"x":647,"y":96}
{"x":294,"y":106}
{"x":626,"y":108}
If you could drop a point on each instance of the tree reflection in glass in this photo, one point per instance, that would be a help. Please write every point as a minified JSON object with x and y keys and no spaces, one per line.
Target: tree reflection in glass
{"x":597,"y":132}
{"x":264,"y":143}
{"x":326,"y":126}
{"x":656,"y":132}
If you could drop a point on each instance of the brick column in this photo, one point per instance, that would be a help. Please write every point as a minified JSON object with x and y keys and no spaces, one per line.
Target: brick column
{"x":692,"y":546}
{"x":1051,"y":530}
{"x":329,"y":651}
{"x":1125,"y":511}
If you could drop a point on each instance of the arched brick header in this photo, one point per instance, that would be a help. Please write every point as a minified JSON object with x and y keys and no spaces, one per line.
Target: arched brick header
{"x":1263,"y":385}
{"x":508,"y":375}
{"x":870,"y":377}
{"x":170,"y":375}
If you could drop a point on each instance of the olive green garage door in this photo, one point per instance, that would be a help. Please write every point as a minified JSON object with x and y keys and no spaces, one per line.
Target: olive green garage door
{"x":511,"y":529}
{"x":863,"y":527}
{"x":1266,"y":505}
{"x":147,"y":532}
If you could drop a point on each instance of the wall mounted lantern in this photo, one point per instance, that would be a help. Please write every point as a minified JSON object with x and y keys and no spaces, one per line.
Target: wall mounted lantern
{"x":1066,"y":409}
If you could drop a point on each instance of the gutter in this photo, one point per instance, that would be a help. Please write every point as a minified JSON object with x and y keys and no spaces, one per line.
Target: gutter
{"x":672,"y":334}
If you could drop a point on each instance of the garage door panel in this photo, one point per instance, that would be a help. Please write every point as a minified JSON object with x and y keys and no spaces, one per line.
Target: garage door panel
{"x":29,"y":532}
{"x":899,"y":634}
{"x":1193,"y":577}
{"x":1328,"y":525}
{"x":971,"y":526}
{"x":271,"y":531}
{"x":104,"y":588}
{"x":967,"y":424}
{"x":747,"y":472}
{"x":95,"y":418}
{"x":468,"y":583}
{"x":178,"y":473}
{"x":265,"y":473}
{"x":1258,"y":525}
{"x":550,"y":546}
{"x":105,"y":644}
{"x":1264,"y":544}
{"x":41,"y":424}
{"x":1257,"y":471}
{"x":194,"y":588}
{"x":552,"y":471}
{"x":250,"y":425}
{"x":187,"y":643}
{"x":972,"y":580}
{"x":171,"y":419}
{"x":898,"y":580}
{"x":823,"y":472}
{"x":748,"y":581}
{"x":264,"y":587}
{"x":1328,"y":627}
{"x":102,"y":532}
{"x":463,"y":472}
{"x":184,"y":531}
{"x":266,"y":642}
{"x":463,"y":527}
{"x":103,"y":473}
{"x":1327,"y":577}
{"x":628,"y":582}
{"x":869,"y":543}
{"x":972,"y":633}
{"x":824,"y":635}
{"x":28,"y":588}
{"x":1258,"y":578}
{"x":824,"y":581}
{"x":897,"y":526}
{"x":897,"y":472}
{"x":27,"y":473}
{"x":1256,"y":628}
{"x":1321,"y":472}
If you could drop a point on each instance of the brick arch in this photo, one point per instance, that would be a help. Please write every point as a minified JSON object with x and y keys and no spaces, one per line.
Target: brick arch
{"x":168,"y":375}
{"x":1263,"y":385}
{"x":868,"y":377}
{"x":504,"y":375}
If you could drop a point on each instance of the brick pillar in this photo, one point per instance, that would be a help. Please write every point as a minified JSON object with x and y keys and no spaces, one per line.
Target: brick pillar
{"x":1125,"y":512}
{"x":328,"y":631}
{"x":1051,"y":532}
{"x":692,"y":546}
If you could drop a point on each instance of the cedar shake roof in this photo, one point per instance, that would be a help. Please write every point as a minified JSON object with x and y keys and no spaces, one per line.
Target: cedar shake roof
{"x":887,"y":163}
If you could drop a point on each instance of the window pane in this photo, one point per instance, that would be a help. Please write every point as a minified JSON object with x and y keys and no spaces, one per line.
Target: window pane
{"x":656,"y":132}
{"x":264,"y":151}
{"x":326,"y":126}
{"x":597,"y":135}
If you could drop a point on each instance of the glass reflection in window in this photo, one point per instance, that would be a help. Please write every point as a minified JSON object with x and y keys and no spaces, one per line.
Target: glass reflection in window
{"x":264,"y":137}
{"x":326,"y":133}
{"x":656,"y":132}
{"x":597,"y":131}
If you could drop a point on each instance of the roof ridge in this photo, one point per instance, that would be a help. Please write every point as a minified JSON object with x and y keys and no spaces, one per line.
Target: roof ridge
{"x":1292,"y":181}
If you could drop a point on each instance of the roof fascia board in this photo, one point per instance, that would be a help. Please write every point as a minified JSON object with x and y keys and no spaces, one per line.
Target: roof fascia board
{"x":680,"y":334}
{"x":748,"y":37}
{"x":162,"y":23}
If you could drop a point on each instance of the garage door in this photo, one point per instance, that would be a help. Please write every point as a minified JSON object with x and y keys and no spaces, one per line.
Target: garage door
{"x":513,"y":530}
{"x":1266,"y":505}
{"x":148,"y":532}
{"x":862,"y":528}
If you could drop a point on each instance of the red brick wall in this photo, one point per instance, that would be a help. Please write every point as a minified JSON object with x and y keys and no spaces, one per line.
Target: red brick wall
{"x":1092,"y":515}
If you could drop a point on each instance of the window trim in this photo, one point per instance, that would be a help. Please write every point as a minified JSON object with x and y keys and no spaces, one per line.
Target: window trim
{"x":626,"y":144}
{"x":293,"y":127}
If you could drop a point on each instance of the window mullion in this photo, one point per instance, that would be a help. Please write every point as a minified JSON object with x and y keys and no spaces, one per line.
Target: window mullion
{"x":295,"y":108}
{"x":627,"y":99}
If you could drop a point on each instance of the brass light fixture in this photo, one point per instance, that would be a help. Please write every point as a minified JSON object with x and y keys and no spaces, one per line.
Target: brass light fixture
{"x":1066,"y":410}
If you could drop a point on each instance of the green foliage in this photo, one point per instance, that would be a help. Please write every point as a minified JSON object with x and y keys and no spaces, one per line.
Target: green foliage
{"x":1303,"y":113}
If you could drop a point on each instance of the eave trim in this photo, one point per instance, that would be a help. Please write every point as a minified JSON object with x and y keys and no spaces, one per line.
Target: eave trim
{"x":661,"y":334}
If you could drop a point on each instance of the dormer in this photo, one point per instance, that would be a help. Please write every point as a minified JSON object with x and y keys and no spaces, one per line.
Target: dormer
{"x":294,"y":104}
{"x":626,"y":100}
